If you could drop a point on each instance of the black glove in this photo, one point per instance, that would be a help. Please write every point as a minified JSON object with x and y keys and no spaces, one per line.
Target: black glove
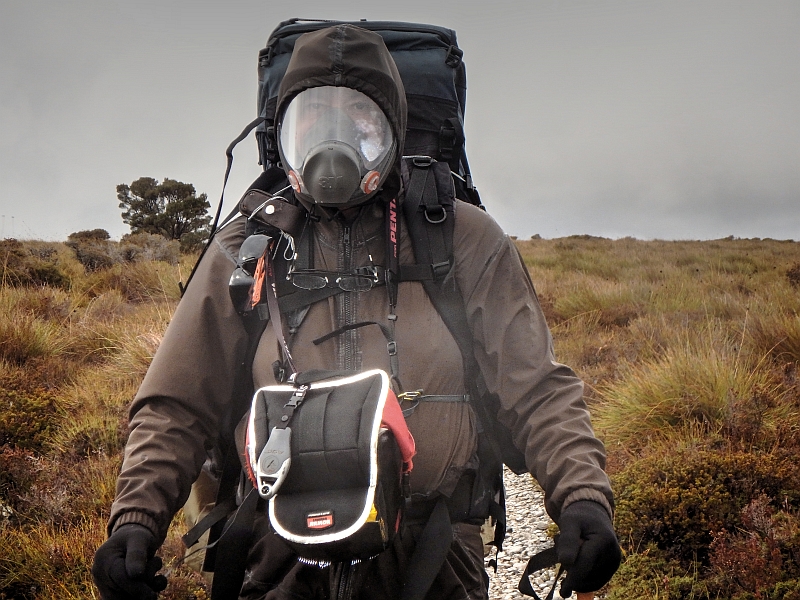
{"x":587,"y":547}
{"x":125,"y":566}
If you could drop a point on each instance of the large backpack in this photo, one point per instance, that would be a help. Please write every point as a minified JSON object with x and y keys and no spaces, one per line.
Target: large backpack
{"x":434,"y":77}
{"x":435,"y":172}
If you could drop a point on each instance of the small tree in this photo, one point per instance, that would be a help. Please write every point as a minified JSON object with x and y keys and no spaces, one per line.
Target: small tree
{"x":89,"y":235}
{"x":171,"y":208}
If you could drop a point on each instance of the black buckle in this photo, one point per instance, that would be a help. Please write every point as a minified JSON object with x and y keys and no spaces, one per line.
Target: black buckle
{"x":440,"y":270}
{"x":454,"y":56}
{"x":447,"y":141}
{"x":265,"y":56}
{"x":422,"y":161}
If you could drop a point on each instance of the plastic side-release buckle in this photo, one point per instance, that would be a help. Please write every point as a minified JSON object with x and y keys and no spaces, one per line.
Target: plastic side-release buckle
{"x":265,"y":56}
{"x":422,"y":161}
{"x":440,"y":270}
{"x":454,"y":56}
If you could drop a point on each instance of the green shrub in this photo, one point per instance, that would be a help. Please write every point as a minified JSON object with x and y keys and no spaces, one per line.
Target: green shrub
{"x":648,"y":575}
{"x":676,"y":501}
{"x":96,"y":255}
{"x":27,"y":411}
{"x":96,"y":252}
{"x":89,"y":235}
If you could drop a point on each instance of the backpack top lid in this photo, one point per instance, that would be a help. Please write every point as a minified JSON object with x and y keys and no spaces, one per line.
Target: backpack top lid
{"x":432,"y":71}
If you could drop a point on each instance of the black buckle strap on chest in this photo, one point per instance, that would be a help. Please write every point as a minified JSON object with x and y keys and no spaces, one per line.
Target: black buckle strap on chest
{"x":391,"y":344}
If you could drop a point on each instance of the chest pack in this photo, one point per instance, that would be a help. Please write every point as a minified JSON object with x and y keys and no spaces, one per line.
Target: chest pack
{"x":332,"y":458}
{"x":435,"y":171}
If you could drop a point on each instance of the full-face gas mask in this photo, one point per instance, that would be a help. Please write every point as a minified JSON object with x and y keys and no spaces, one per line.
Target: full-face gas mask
{"x":336,"y":145}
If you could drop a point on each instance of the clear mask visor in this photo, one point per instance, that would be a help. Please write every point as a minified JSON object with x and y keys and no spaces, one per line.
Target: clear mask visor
{"x":334,"y":114}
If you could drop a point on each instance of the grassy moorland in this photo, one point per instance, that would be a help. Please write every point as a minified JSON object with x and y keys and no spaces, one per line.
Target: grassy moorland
{"x":690,"y":352}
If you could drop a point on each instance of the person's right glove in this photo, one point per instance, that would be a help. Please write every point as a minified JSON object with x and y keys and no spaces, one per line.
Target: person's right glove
{"x":587,"y":547}
{"x":125,"y":566}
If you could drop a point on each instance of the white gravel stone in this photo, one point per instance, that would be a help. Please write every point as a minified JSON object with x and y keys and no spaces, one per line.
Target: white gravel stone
{"x":527,"y":522}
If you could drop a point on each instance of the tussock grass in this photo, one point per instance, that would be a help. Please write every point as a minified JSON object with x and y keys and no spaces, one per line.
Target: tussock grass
{"x":24,"y":334}
{"x":690,"y":352}
{"x":694,"y":388}
{"x":49,"y":562}
{"x":146,"y":281}
{"x":778,"y":335}
{"x":71,"y":359}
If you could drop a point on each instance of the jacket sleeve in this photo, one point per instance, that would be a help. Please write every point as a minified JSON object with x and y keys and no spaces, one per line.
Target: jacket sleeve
{"x":183,"y":401}
{"x":541,"y":401}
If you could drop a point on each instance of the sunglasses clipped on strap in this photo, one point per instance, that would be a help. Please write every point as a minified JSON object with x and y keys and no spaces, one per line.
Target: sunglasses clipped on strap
{"x":361,"y":279}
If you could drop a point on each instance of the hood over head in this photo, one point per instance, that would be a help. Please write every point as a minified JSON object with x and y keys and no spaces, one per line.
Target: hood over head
{"x":347,"y":56}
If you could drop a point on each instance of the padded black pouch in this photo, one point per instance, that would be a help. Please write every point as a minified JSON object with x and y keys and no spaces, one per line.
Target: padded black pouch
{"x":340,"y":497}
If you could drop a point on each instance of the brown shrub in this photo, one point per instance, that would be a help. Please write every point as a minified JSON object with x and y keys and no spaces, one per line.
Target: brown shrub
{"x":16,"y":476}
{"x":31,"y":265}
{"x":757,"y":557}
{"x":793,"y":274}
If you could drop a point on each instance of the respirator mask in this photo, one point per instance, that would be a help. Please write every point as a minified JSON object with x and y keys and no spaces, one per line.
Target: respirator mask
{"x":336,"y":145}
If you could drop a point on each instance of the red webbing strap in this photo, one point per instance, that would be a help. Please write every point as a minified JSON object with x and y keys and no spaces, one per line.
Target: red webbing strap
{"x":395,"y":422}
{"x":274,"y":310}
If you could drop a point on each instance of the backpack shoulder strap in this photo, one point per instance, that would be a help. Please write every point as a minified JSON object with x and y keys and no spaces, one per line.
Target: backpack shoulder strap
{"x":429,"y":211}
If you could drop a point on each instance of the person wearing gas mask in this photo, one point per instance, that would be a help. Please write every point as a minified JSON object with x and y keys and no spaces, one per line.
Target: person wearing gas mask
{"x":340,"y":127}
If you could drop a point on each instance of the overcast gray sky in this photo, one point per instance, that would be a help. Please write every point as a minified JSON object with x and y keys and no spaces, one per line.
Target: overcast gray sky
{"x":669,"y":119}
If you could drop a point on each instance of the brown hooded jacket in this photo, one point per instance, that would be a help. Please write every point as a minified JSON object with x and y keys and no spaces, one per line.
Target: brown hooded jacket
{"x":185,"y":399}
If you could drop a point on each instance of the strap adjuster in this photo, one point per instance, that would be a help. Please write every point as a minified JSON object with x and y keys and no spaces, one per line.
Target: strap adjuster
{"x":454,"y":56}
{"x":440,"y":270}
{"x":265,"y":56}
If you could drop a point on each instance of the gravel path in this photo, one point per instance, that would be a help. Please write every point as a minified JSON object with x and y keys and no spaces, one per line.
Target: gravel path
{"x":527,"y":535}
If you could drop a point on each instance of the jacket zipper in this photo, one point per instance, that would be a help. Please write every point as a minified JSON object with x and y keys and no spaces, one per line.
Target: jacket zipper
{"x":347,"y":345}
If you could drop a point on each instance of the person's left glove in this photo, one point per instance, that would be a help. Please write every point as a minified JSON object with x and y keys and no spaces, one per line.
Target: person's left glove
{"x":125,"y":566}
{"x":587,"y":547}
